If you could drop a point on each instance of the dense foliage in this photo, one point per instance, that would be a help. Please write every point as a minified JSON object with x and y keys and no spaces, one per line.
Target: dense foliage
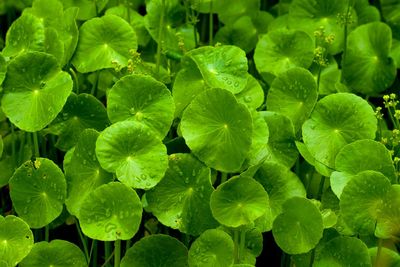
{"x":199,"y":133}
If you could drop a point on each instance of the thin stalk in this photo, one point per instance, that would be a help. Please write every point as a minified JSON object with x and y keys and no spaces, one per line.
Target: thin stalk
{"x":93,"y":253}
{"x":319,"y":76}
{"x":85,"y":248}
{"x":47,"y":233}
{"x":236,"y":245}
{"x":345,"y":37}
{"x":128,"y":244}
{"x":392,"y":118}
{"x":36,"y":144}
{"x":21,"y":148}
{"x":117,"y":252}
{"x":378,"y":253}
{"x":224,"y":177}
{"x":13,"y":143}
{"x":211,"y":25}
{"x":242,"y":243}
{"x":95,"y":84}
{"x":75,"y":78}
{"x":160,"y":34}
{"x":321,"y":187}
{"x":194,"y":19}
{"x":107,"y":250}
{"x":312,"y":257}
{"x":108,"y":259}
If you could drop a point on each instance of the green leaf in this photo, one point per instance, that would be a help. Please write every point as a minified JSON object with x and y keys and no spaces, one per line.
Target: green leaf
{"x":282,"y":49}
{"x":143,"y":99}
{"x":239,"y":201}
{"x":388,"y":219}
{"x":362,"y":199}
{"x":293,"y":93}
{"x":281,"y":145}
{"x":252,"y":95}
{"x":3,"y":69}
{"x":212,"y":248}
{"x":33,"y":96}
{"x":87,"y":8}
{"x":367,"y":67}
{"x":357,"y":157}
{"x":280,"y":183}
{"x":343,"y":251}
{"x":218,"y":129}
{"x":156,"y":250}
{"x":104,"y":42}
{"x":228,"y":13}
{"x":319,"y":167}
{"x":174,"y":30}
{"x":79,"y":113}
{"x":58,"y":253}
{"x":310,"y":15}
{"x":338,"y":119}
{"x":16,"y":240}
{"x":38,"y":190}
{"x":133,"y":152}
{"x":222,"y":67}
{"x":1,"y":146}
{"x":84,"y":173}
{"x":111,"y":212}
{"x":299,"y":227}
{"x":181,"y":199}
{"x":27,"y":33}
{"x":387,"y":257}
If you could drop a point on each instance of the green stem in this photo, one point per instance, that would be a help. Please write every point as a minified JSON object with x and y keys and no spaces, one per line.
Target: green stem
{"x":319,"y":76}
{"x":224,"y":177}
{"x":242,"y":243}
{"x":160,"y":34}
{"x":194,"y":18}
{"x":108,"y":259}
{"x":75,"y":78}
{"x":117,"y":252}
{"x":13,"y":144}
{"x":36,"y":144}
{"x":378,"y":253}
{"x":392,"y":118}
{"x":345,"y":37}
{"x":107,"y":251}
{"x":47,"y":233}
{"x":211,"y":25}
{"x":93,"y":253}
{"x":236,"y":245}
{"x":21,"y":148}
{"x":128,"y":244}
{"x":312,"y":257}
{"x":93,"y":92}
{"x":321,"y":187}
{"x":85,"y":248}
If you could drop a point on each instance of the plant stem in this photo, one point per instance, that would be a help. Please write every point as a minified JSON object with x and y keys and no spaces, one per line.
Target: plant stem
{"x":321,"y":187}
{"x":378,"y":253}
{"x":345,"y":37}
{"x":13,"y":144}
{"x":211,"y":25}
{"x":160,"y":34}
{"x":117,"y":252}
{"x":46,"y":233}
{"x":128,"y":244}
{"x":224,"y":177}
{"x":36,"y":144}
{"x":242,"y":243}
{"x":312,"y":257}
{"x":93,"y":253}
{"x":93,"y":92}
{"x":236,"y":245}
{"x":75,"y":78}
{"x":107,"y":251}
{"x":85,"y":248}
{"x":108,"y":259}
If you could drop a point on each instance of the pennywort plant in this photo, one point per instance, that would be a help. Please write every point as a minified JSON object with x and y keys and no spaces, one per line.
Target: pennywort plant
{"x":199,"y":133}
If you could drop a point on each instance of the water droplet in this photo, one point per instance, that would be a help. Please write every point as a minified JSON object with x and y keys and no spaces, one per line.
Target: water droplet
{"x":248,"y":99}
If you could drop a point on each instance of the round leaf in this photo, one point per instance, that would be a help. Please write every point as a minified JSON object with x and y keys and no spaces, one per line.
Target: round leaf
{"x":367,"y":67}
{"x":299,"y":227}
{"x":213,"y":248}
{"x":33,"y":96}
{"x":80,"y":112}
{"x":239,"y":201}
{"x":338,"y":119}
{"x":16,"y":240}
{"x":58,"y":253}
{"x":110,"y":212}
{"x":144,"y":99}
{"x":181,"y":200}
{"x":282,"y":49}
{"x":134,"y":152}
{"x":218,"y":129}
{"x":104,"y":42}
{"x":357,"y":157}
{"x":293,"y":93}
{"x":388,"y":221}
{"x":155,"y":251}
{"x":343,"y":251}
{"x":362,"y":199}
{"x":252,"y":95}
{"x":38,"y":190}
{"x":281,"y":145}
{"x":280,"y":183}
{"x":84,"y":173}
{"x":221,"y":67}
